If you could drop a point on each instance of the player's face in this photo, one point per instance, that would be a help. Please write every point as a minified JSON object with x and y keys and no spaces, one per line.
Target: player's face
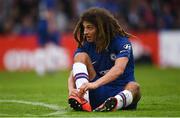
{"x":89,"y":31}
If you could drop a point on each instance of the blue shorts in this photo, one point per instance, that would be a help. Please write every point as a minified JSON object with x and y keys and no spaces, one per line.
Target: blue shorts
{"x":101,"y":94}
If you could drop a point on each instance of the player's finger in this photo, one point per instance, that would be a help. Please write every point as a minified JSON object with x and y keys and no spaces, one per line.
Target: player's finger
{"x":80,"y":93}
{"x":74,"y":93}
{"x":86,"y":88}
{"x":82,"y":88}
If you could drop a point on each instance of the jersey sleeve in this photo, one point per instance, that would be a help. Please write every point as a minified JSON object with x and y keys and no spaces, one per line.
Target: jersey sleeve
{"x":81,"y":49}
{"x":123,"y":47}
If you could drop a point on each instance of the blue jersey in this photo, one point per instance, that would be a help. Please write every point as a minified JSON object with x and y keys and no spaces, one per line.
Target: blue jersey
{"x":104,"y":61}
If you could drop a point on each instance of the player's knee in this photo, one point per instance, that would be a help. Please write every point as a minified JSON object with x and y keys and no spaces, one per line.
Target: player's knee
{"x":81,"y":57}
{"x":137,"y":96}
{"x":134,"y":87}
{"x":137,"y":86}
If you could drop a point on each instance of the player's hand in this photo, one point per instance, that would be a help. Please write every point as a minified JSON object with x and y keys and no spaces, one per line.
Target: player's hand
{"x":87,"y":86}
{"x":73,"y":92}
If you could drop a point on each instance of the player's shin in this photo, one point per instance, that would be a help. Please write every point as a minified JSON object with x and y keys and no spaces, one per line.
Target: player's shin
{"x":124,"y":99}
{"x":80,"y":75}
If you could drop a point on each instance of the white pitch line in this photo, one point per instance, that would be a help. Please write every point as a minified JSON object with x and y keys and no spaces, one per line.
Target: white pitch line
{"x":57,"y":109}
{"x":2,"y":114}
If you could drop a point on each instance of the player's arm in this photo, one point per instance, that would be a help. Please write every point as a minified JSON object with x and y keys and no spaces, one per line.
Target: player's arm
{"x":114,"y":73}
{"x":123,"y":51}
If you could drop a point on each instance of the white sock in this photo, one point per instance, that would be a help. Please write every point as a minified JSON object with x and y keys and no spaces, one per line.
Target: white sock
{"x":124,"y":99}
{"x":80,"y":75}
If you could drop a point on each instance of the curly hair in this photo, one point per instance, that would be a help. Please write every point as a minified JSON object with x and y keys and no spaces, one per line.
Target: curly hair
{"x":106,"y":24}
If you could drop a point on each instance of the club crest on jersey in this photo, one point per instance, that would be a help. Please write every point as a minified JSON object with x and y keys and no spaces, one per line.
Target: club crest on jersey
{"x":127,"y":46}
{"x":113,"y":57}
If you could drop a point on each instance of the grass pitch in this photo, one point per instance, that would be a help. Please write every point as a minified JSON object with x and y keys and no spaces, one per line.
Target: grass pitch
{"x":26,"y":94}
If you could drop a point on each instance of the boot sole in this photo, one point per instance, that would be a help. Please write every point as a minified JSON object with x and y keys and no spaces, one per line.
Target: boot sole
{"x":75,"y":104}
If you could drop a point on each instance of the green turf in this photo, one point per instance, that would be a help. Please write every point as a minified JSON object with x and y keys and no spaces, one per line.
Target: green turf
{"x":160,"y":94}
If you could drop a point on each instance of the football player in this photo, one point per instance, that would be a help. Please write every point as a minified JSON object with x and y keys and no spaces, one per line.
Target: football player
{"x":102,"y":77}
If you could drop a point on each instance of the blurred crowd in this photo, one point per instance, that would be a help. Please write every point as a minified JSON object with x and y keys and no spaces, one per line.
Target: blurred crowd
{"x":33,"y":16}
